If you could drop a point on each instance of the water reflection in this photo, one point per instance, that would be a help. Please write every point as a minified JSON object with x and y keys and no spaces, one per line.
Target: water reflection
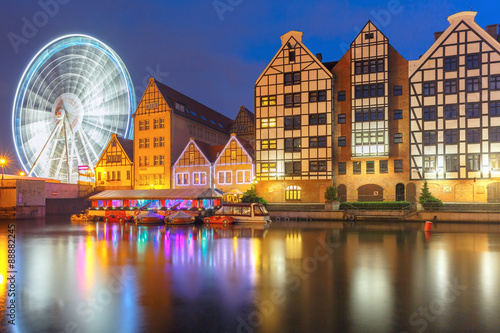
{"x":368,"y":277}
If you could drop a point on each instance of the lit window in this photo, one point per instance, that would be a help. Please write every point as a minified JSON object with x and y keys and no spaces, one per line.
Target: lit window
{"x":430,"y":163}
{"x":495,"y":161}
{"x":293,"y":193}
{"x":268,"y":144}
{"x":268,"y":122}
{"x":225,"y":177}
{"x":268,"y":100}
{"x":191,"y":158}
{"x":243,"y":177}
{"x":199,"y":178}
{"x":182,"y":179}
{"x":268,"y":167}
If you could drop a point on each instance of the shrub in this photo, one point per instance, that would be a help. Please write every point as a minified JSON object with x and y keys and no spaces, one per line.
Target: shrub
{"x":251,"y":196}
{"x":331,"y":193}
{"x":376,"y":205}
{"x":427,"y":200}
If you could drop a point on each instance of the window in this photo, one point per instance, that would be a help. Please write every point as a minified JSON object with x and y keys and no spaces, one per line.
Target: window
{"x":268,"y":122}
{"x":472,"y":84}
{"x":451,"y":136}
{"x":398,"y":114}
{"x":369,"y":90}
{"x":472,"y":110}
{"x":191,"y":158}
{"x":494,"y":109}
{"x":341,"y":166}
{"x":99,"y":176}
{"x":450,"y":64}
{"x":473,"y":135}
{"x":292,"y":78}
{"x":429,"y":88}
{"x":318,"y":141}
{"x":429,"y":113}
{"x":341,"y":95}
{"x":291,"y":56}
{"x":179,"y":106}
{"x":317,"y":96}
{"x":146,"y":143}
{"x":155,"y":160}
{"x":494,"y":134}
{"x":162,"y":159}
{"x":293,"y":193}
{"x":128,"y":174}
{"x":495,"y":161}
{"x":199,"y":178}
{"x":356,"y":167}
{"x":292,"y":122}
{"x":267,"y":167}
{"x":243,"y":177}
{"x":382,"y":166}
{"x":473,"y":162}
{"x":450,"y":86}
{"x":140,"y":161}
{"x":156,"y":142}
{"x":451,"y":163}
{"x":369,"y":114}
{"x":370,"y":167}
{"x":317,"y":119}
{"x":429,"y":138}
{"x":398,"y":90}
{"x":472,"y":61}
{"x":341,"y":117}
{"x":430,"y":163}
{"x":268,"y":100}
{"x":495,"y":82}
{"x":398,"y":137}
{"x":292,"y":100}
{"x":371,"y":137}
{"x":146,"y":160}
{"x":225,"y":177}
{"x":162,"y":122}
{"x":398,"y":166}
{"x":162,"y":141}
{"x":369,"y":66}
{"x":268,"y":144}
{"x":141,"y":125}
{"x":156,"y":123}
{"x":317,"y":166}
{"x":146,"y":125}
{"x":292,"y":144}
{"x":141,"y":143}
{"x":450,"y":111}
{"x":341,"y":141}
{"x":182,"y":179}
{"x":293,"y":168}
{"x":369,"y":35}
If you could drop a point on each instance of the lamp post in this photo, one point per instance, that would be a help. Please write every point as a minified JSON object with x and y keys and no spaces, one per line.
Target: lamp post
{"x":2,"y":162}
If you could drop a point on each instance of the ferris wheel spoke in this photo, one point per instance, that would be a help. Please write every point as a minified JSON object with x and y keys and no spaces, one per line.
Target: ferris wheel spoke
{"x":45,"y":146}
{"x":86,"y":142}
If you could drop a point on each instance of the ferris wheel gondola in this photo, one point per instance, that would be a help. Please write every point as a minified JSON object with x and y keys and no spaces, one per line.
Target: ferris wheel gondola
{"x":74,"y":94}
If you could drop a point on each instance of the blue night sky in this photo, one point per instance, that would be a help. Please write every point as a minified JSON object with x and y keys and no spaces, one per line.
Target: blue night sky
{"x":215,"y":55}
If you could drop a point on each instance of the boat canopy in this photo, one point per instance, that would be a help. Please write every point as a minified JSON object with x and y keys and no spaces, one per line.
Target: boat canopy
{"x":185,"y":194}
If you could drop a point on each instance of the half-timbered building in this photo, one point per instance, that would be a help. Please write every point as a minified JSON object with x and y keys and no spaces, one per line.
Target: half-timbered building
{"x":115,"y":168}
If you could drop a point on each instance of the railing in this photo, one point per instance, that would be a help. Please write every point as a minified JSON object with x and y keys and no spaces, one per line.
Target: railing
{"x":384,"y":207}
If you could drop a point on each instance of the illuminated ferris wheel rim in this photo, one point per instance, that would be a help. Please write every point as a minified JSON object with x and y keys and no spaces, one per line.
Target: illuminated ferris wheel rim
{"x":44,"y":54}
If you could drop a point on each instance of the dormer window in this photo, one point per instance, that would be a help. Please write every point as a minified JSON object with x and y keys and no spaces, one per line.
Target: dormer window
{"x":180,"y":106}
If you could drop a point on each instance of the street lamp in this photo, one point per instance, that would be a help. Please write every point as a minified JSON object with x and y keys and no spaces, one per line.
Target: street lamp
{"x":2,"y":163}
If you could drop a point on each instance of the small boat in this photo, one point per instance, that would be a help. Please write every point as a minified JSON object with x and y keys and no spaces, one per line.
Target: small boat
{"x":179,"y":217}
{"x":82,"y":216}
{"x":148,"y":217}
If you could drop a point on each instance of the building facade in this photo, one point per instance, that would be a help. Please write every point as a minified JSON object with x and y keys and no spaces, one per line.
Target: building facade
{"x":164,"y":122}
{"x":115,"y":168}
{"x":455,"y":113}
{"x":293,"y":118}
{"x":244,"y":125}
{"x":371,"y":117}
{"x":234,"y":168}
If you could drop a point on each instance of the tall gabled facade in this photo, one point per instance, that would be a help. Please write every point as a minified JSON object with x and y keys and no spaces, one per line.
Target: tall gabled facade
{"x":293,"y":136}
{"x":455,"y":113}
{"x":244,"y":125}
{"x":371,"y":115}
{"x":115,"y":168}
{"x":164,"y":121}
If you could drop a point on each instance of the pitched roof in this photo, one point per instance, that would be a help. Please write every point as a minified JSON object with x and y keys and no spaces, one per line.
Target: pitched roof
{"x":194,"y":110}
{"x":210,"y":152}
{"x":128,"y":147}
{"x":247,"y":146}
{"x":250,"y":114}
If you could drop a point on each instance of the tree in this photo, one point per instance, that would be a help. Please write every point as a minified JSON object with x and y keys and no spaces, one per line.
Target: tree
{"x":251,"y":196}
{"x":331,"y":193}
{"x":427,"y":200}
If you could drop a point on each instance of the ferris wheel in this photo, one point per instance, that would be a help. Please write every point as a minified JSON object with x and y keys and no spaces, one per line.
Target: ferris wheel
{"x":74,"y":94}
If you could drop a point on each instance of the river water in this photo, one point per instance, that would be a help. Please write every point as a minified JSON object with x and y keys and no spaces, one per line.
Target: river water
{"x":286,"y":277}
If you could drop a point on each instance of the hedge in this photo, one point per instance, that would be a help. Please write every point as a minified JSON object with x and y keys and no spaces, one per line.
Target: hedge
{"x":376,"y":205}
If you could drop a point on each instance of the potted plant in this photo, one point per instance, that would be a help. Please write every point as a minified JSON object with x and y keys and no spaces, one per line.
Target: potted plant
{"x":332,"y":199}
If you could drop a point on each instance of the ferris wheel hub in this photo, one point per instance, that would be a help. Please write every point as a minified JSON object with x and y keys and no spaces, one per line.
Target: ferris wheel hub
{"x":69,"y":105}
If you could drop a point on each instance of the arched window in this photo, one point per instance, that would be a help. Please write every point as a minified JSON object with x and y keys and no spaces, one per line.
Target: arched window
{"x":293,"y":192}
{"x":400,"y":192}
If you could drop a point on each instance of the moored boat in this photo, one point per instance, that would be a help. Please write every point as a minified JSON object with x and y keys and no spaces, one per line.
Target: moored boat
{"x":179,"y":217}
{"x":148,"y":217}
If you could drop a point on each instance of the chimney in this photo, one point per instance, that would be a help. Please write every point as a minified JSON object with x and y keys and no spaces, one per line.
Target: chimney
{"x":492,"y":30}
{"x":437,"y":35}
{"x":319,"y":56}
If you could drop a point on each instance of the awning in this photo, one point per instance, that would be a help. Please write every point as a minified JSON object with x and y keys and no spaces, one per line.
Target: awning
{"x":234,"y":191}
{"x":179,"y":193}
